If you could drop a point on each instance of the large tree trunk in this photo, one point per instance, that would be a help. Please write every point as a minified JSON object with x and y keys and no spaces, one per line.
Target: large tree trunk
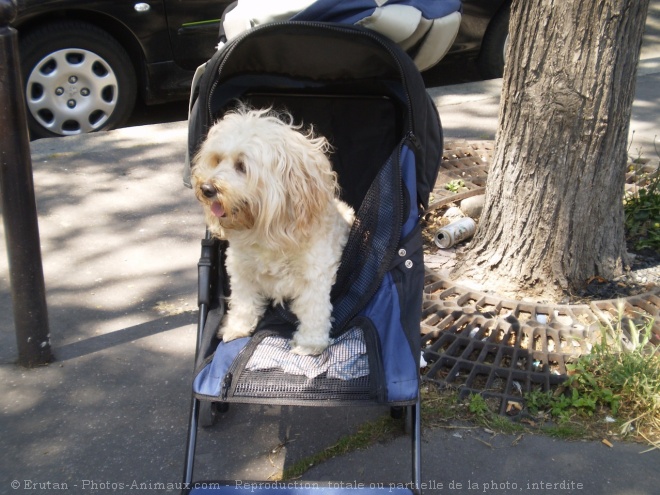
{"x":554,"y":215}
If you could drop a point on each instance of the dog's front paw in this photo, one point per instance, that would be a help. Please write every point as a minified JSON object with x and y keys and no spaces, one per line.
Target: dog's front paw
{"x":232,"y":334}
{"x":308,"y":347}
{"x":238,"y":323}
{"x":233,"y":330}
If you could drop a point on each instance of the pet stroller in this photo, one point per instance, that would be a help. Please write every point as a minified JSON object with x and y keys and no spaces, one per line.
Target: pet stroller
{"x":365,"y":95}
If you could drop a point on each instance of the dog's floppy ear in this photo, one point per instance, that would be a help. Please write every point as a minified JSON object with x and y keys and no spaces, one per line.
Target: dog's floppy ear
{"x":311,"y":182}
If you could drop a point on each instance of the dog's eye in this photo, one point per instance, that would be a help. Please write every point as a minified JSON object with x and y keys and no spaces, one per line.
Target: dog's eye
{"x":214,"y":160}
{"x":239,"y":165}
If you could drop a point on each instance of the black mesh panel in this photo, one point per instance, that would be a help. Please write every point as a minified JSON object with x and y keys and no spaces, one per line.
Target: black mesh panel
{"x":370,"y":247}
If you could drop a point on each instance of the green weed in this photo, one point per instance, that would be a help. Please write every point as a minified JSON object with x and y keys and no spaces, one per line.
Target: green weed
{"x":620,"y":377}
{"x":642,"y":208}
{"x":478,"y":405}
{"x":642,"y":216}
{"x":455,"y":185}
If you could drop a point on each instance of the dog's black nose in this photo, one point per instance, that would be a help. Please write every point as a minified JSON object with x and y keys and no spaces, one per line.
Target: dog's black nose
{"x":208,"y":190}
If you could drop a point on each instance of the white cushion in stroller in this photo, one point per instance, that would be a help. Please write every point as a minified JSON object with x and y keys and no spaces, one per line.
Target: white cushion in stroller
{"x":408,"y":23}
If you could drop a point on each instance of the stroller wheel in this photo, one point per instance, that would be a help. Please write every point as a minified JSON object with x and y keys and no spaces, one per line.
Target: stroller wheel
{"x":406,"y":414}
{"x":396,"y":412}
{"x":209,"y":411}
{"x":409,"y":420}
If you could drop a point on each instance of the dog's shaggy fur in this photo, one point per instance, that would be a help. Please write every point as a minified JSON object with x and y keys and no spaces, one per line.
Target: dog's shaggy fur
{"x":269,"y":190}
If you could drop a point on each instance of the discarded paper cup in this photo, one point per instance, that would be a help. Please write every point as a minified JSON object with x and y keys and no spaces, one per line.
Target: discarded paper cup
{"x":455,"y":232}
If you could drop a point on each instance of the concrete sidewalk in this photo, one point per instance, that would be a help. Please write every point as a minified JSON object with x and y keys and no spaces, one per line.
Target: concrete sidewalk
{"x":470,"y":111}
{"x":120,"y":242}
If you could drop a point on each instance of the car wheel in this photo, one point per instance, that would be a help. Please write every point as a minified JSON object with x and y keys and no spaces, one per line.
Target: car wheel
{"x":78,"y":79}
{"x":493,"y":46}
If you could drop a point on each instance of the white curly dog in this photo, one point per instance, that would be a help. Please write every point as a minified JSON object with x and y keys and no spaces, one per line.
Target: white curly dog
{"x":268,"y":188}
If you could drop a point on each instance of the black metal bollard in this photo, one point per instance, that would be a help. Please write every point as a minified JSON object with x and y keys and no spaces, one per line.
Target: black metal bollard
{"x":19,"y":210}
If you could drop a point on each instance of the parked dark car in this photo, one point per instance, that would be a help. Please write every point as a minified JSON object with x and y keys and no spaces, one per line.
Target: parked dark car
{"x":85,"y":62}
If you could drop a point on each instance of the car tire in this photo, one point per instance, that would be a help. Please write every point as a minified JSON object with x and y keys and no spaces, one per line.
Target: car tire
{"x":78,"y":79}
{"x":493,"y":46}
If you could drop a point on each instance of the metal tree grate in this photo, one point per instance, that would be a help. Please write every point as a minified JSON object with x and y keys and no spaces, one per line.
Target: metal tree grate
{"x":480,"y":343}
{"x":465,"y":162}
{"x":468,"y":161}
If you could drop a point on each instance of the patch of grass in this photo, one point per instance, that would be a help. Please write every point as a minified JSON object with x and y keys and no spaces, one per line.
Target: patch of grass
{"x":504,"y":425}
{"x":441,"y":407}
{"x":448,"y":410}
{"x":620,"y":379}
{"x":378,"y":430}
{"x":566,"y":431}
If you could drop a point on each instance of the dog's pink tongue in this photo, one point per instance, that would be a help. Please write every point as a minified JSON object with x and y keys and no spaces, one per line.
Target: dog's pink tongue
{"x":217,"y":210}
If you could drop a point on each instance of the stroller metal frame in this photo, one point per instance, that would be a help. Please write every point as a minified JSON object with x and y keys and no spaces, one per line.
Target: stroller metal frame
{"x":408,"y":174}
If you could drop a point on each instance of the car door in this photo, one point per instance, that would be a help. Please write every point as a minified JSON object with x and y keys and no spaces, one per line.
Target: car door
{"x":194,"y":26}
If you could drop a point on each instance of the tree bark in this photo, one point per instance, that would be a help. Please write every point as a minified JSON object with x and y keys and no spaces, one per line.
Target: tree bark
{"x":553,"y":216}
